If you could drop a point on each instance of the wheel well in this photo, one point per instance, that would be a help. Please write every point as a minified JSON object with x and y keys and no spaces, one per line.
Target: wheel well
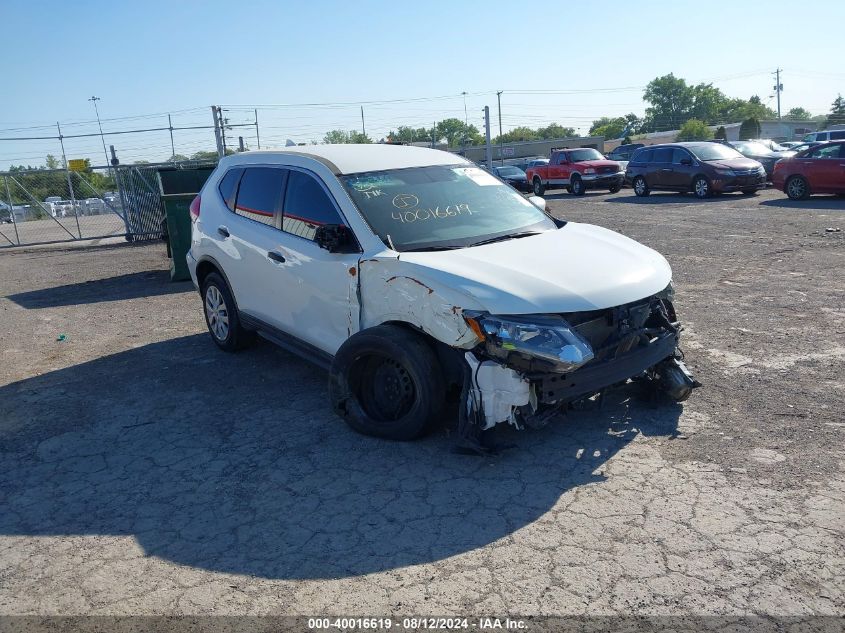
{"x":203,"y":269}
{"x":451,"y":359}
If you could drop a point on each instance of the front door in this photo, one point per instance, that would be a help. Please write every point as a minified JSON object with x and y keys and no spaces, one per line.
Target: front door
{"x":559,"y":169}
{"x":825,"y":168}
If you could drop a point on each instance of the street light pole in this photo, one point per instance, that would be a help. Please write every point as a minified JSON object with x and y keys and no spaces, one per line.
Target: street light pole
{"x":466,"y":123}
{"x":501,"y":147}
{"x":94,"y":100}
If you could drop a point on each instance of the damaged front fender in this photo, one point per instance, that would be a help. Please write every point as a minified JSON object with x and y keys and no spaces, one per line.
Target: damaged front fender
{"x":393,"y":290}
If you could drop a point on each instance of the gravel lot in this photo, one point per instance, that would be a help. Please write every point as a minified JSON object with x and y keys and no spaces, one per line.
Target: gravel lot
{"x":142,"y":471}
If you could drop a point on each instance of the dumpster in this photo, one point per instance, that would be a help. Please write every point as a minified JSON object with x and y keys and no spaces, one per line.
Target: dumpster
{"x":179,"y":186}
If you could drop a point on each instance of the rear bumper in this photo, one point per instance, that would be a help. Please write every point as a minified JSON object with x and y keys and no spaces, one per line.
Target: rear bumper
{"x":192,"y":267}
{"x":595,"y":376}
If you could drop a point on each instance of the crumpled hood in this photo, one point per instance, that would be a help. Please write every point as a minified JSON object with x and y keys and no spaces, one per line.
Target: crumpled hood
{"x":575,"y":268}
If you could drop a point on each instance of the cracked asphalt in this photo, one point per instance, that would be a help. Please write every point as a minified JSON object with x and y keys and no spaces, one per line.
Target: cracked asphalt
{"x":142,"y":471}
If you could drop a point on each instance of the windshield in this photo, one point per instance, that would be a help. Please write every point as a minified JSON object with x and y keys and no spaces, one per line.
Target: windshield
{"x":714,"y":151}
{"x":579,"y":155}
{"x":509,"y":171}
{"x":757,"y":149}
{"x":441,"y":206}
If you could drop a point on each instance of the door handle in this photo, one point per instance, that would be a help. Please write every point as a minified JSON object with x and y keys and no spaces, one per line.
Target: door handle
{"x":276,"y":257}
{"x":223,"y":231}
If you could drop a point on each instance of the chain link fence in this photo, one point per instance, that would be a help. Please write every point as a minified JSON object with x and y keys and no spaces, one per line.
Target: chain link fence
{"x":44,"y":206}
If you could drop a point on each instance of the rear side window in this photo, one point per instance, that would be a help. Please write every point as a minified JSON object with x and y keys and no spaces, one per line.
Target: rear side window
{"x":663,"y":155}
{"x":259,"y":194}
{"x":307,"y":206}
{"x":228,"y":187}
{"x":835,"y":136}
{"x":643,"y":156}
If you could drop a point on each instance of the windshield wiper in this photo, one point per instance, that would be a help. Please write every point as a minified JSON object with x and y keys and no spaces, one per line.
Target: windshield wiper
{"x":502,"y":238}
{"x":423,"y":249}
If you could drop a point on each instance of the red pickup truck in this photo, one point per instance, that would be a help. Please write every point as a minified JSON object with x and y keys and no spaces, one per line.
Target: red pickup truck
{"x":577,"y":169}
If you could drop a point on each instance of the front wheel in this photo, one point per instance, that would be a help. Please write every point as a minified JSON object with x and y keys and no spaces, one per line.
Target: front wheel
{"x":386,"y":381}
{"x":539,"y":188}
{"x":577,"y":185}
{"x":701,"y":187}
{"x":615,"y":189}
{"x":641,"y":187}
{"x":797,"y":188}
{"x":749,"y":192}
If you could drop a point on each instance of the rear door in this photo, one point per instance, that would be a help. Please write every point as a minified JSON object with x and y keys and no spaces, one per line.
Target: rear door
{"x":661,"y":169}
{"x":824,"y":169}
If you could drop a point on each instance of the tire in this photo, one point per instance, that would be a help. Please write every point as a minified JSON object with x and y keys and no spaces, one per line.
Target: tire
{"x":797,"y":188}
{"x":221,"y":315}
{"x":615,"y":189}
{"x":539,"y":188}
{"x":640,"y":187}
{"x":577,"y":186}
{"x":386,"y":382}
{"x":701,"y":187}
{"x":749,"y":192}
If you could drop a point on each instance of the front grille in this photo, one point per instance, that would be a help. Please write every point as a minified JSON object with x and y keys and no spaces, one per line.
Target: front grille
{"x":608,"y":170}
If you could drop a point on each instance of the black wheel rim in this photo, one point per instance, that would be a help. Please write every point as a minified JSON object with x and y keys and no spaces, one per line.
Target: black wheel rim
{"x":386,"y":390}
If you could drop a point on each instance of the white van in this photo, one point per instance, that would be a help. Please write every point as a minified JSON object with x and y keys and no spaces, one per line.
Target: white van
{"x":825,"y":135}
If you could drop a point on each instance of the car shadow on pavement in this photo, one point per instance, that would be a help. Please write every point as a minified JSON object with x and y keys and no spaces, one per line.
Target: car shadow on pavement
{"x":832,"y":203}
{"x":235,"y":463}
{"x":669,"y":197}
{"x":130,"y":286}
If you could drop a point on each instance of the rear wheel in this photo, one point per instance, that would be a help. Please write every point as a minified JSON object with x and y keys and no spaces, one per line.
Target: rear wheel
{"x":221,"y":315}
{"x":701,"y":187}
{"x":386,"y":381}
{"x":539,"y":188}
{"x":797,"y":188}
{"x":577,"y":186}
{"x":641,"y":187}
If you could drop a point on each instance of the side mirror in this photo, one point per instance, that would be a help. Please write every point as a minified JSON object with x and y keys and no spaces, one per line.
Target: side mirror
{"x":538,"y":202}
{"x":686,"y":161}
{"x":335,"y":238}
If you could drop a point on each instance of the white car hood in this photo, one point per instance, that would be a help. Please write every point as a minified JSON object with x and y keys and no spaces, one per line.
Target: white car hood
{"x":575,"y":268}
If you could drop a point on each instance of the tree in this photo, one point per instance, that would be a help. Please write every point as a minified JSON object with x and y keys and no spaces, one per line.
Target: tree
{"x":671,"y":102}
{"x":341,"y":137}
{"x":609,"y":128}
{"x":749,"y":129}
{"x":721,"y":133}
{"x":405,"y":134}
{"x":695,"y":130}
{"x":178,"y":158}
{"x":837,"y":112}
{"x":52,"y":162}
{"x":553,"y":130}
{"x":798,"y":114}
{"x":457,"y":133}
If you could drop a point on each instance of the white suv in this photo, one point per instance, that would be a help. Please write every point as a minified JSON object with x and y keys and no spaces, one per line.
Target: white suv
{"x":413,"y":276}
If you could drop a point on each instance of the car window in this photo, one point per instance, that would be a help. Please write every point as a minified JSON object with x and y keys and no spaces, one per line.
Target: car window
{"x":307,"y":206}
{"x":837,"y":135}
{"x":679,"y":154}
{"x":584,"y":154}
{"x":825,"y":151}
{"x":228,"y":187}
{"x":643,"y":156}
{"x":663,"y":155}
{"x":259,"y":193}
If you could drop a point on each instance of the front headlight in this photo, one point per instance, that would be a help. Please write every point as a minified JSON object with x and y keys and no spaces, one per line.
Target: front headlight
{"x":589,"y":170}
{"x":541,"y":336}
{"x":668,"y":292}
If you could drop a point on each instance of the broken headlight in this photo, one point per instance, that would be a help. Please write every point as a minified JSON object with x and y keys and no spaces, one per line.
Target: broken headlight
{"x":547,"y":337}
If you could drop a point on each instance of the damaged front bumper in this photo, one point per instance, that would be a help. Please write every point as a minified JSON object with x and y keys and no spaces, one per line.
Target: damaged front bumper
{"x":517,"y":375}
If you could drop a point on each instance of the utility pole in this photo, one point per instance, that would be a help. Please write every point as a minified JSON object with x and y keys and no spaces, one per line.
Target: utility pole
{"x":241,"y":144}
{"x":433,"y":134}
{"x":217,"y":136}
{"x":501,"y":146}
{"x":778,"y":87}
{"x":257,"y":138}
{"x":172,"y":146}
{"x":363,"y":128}
{"x":102,"y":138}
{"x":489,"y":148}
{"x":466,"y":125}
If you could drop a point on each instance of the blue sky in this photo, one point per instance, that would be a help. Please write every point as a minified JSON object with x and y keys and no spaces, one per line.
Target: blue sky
{"x":145,"y":59}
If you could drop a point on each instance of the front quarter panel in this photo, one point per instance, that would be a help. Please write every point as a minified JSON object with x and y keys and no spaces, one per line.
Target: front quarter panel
{"x":394,"y":291}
